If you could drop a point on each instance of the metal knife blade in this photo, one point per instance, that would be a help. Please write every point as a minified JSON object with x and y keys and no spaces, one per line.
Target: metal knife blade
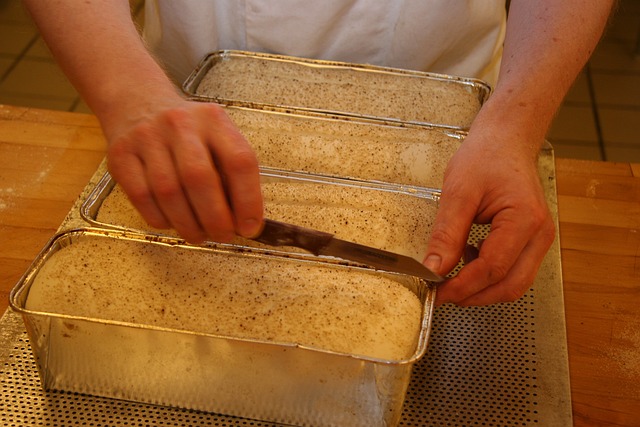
{"x":276,"y":233}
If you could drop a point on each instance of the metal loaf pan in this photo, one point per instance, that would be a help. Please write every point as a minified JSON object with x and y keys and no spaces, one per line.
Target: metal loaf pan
{"x":388,"y":225}
{"x":258,"y":79}
{"x":275,"y":381}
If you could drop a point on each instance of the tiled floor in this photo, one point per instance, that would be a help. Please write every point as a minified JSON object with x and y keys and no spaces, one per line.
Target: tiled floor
{"x":599,"y":120}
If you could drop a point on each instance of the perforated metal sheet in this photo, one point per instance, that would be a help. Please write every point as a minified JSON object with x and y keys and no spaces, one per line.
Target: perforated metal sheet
{"x":503,"y":365}
{"x":480,"y":369}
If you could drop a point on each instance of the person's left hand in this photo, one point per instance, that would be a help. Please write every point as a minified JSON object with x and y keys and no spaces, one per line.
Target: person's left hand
{"x":490,"y":181}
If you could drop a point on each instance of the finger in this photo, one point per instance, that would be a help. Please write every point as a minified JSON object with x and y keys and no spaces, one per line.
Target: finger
{"x":202,"y":184}
{"x":521,"y":277}
{"x":240,"y":174}
{"x":246,"y":196}
{"x":166,"y":188}
{"x":503,"y":249}
{"x":450,"y":230}
{"x":490,"y":266}
{"x":127,"y":170}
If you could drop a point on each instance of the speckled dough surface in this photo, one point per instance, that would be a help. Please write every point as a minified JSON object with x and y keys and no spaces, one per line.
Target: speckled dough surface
{"x":390,"y":221}
{"x":387,"y":220}
{"x":377,"y":94}
{"x":405,"y":155}
{"x":343,"y":310}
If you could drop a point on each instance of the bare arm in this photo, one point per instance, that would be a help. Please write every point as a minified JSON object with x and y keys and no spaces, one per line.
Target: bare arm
{"x":493,"y":177}
{"x":182,"y":164}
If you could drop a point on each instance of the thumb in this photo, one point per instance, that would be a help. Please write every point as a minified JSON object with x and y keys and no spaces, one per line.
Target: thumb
{"x":449,"y":234}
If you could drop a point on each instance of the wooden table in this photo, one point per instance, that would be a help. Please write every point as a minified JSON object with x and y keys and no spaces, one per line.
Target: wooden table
{"x":47,"y":158}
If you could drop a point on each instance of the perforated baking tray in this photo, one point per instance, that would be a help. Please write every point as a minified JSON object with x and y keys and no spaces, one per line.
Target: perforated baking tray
{"x":502,"y":365}
{"x":259,"y":79}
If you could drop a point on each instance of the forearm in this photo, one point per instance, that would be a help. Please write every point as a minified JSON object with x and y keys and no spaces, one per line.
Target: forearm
{"x":548,"y":42}
{"x":98,"y":47}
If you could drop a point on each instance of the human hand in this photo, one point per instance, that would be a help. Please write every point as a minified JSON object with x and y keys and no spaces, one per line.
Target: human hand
{"x":185,"y":166}
{"x":498,"y":184}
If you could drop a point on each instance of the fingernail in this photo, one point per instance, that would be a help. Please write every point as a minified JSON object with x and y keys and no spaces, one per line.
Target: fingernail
{"x":250,"y":227}
{"x":433,"y":262}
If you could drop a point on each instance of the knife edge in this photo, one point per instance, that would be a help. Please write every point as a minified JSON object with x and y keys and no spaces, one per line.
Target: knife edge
{"x":379,"y":259}
{"x":276,"y":233}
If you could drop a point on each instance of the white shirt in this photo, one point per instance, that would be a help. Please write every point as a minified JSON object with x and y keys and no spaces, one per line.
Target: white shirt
{"x":456,"y":37}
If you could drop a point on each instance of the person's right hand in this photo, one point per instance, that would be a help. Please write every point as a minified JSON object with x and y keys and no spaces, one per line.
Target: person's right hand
{"x":184,"y":165}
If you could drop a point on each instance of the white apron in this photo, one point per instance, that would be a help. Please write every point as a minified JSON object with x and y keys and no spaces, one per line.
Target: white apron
{"x":457,"y":37}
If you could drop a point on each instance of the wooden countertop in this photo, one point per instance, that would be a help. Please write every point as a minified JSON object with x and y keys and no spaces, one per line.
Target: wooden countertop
{"x":47,"y":158}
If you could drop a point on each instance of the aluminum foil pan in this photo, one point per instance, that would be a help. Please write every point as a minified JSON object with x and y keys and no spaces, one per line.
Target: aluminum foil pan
{"x":389,"y":216}
{"x":275,"y":381}
{"x":258,"y":79}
